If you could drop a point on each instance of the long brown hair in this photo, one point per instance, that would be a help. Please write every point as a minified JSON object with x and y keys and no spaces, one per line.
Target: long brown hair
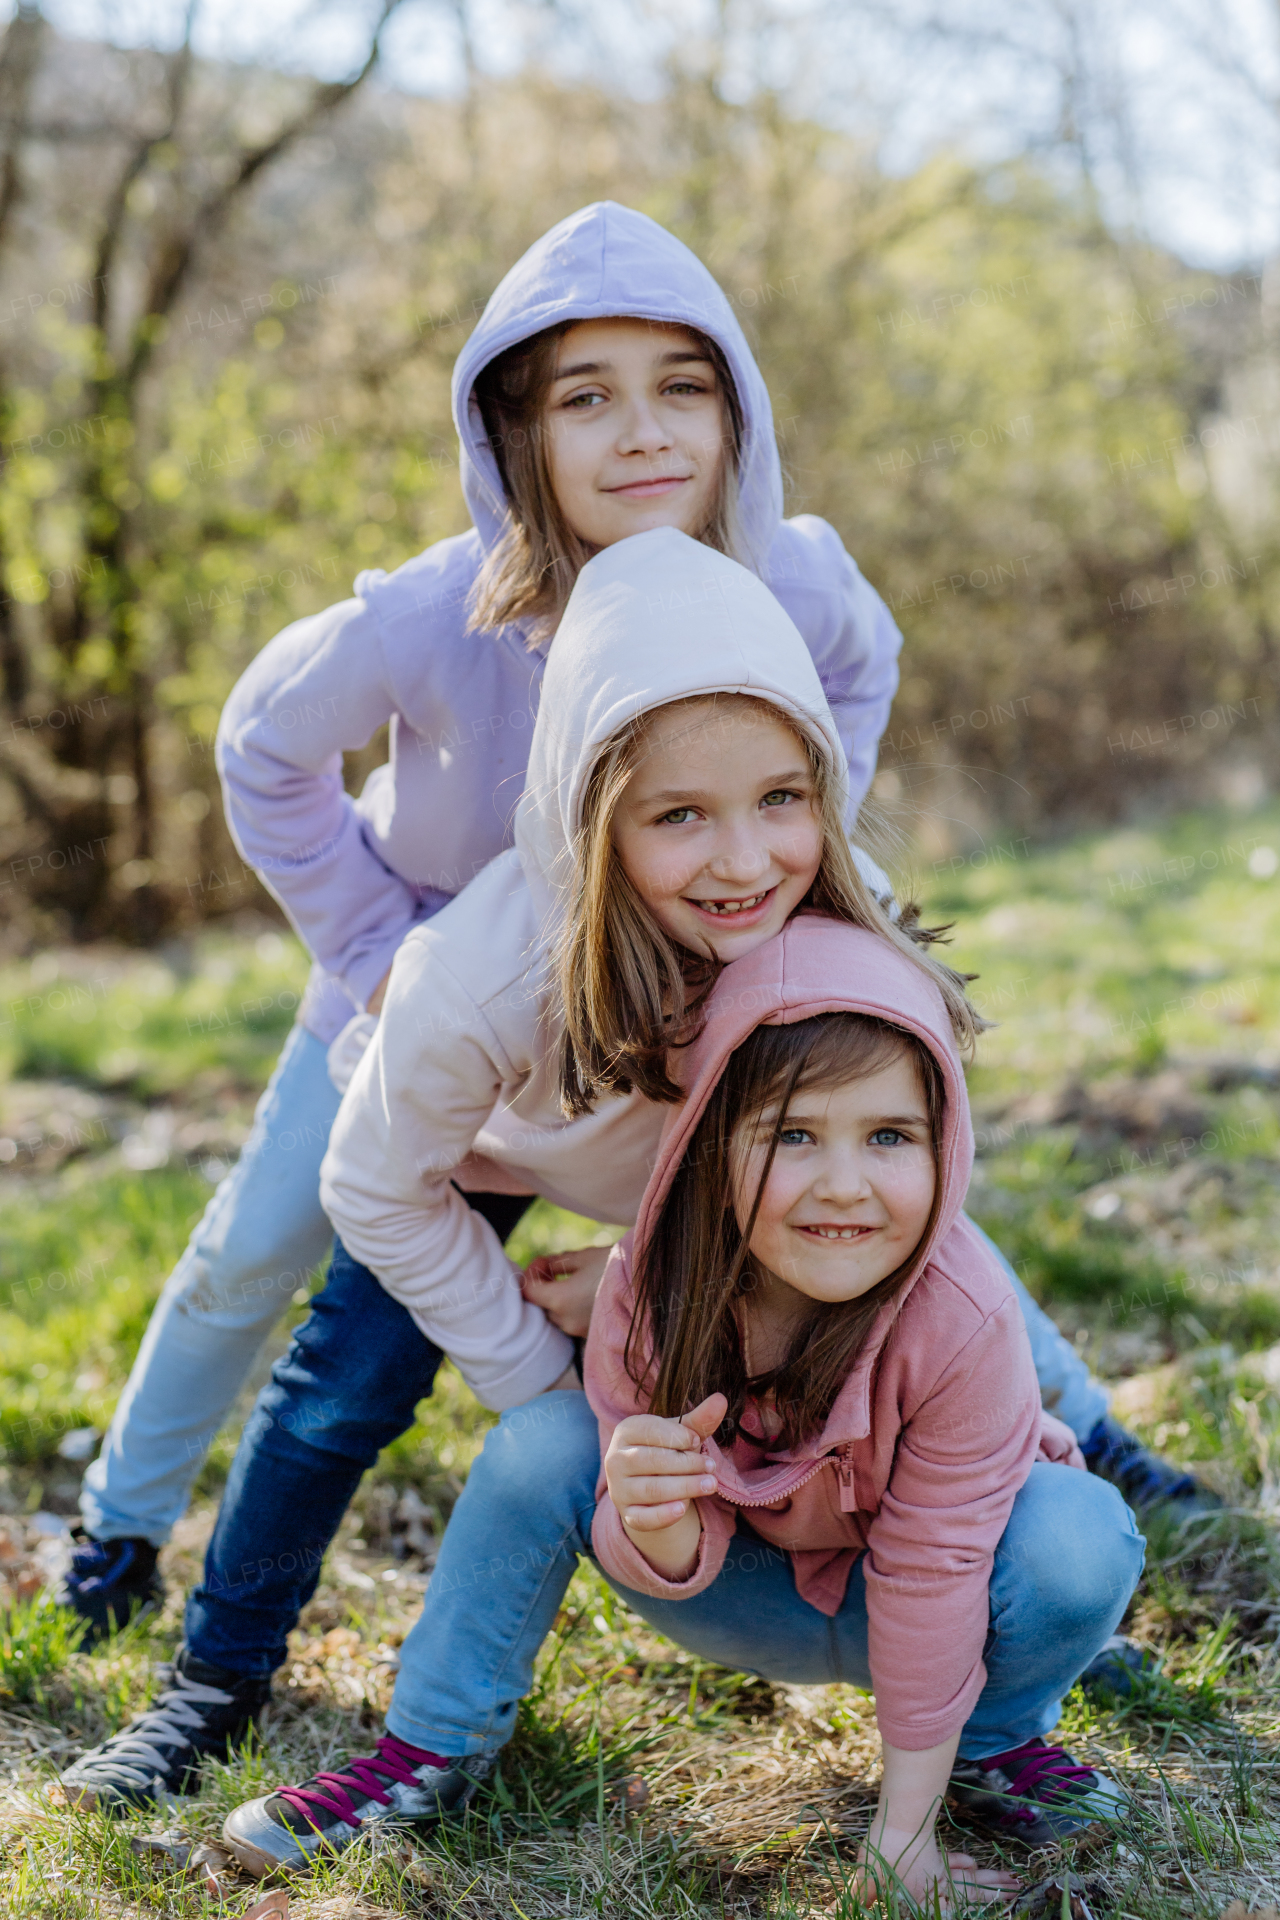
{"x":695,"y":1269}
{"x":530,"y":573}
{"x":628,"y":990}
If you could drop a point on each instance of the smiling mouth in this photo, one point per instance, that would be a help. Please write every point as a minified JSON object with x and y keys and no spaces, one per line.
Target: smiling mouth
{"x":659,"y":483}
{"x":836,"y":1233}
{"x":726,"y":909}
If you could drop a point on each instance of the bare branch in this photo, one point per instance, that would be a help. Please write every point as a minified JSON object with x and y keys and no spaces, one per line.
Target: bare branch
{"x":177,"y":71}
{"x":21,"y":781}
{"x":174,"y":265}
{"x":19,"y":59}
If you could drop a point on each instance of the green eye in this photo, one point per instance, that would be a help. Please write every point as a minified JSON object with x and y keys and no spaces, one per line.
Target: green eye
{"x":779,"y":798}
{"x":677,"y":816}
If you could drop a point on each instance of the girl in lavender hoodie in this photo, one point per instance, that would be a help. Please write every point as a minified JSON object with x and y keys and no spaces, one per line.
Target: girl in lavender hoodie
{"x":607,"y":390}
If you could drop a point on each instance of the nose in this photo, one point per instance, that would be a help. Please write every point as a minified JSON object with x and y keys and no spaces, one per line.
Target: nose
{"x":842,"y":1179}
{"x":739,"y":854}
{"x":641,"y":429}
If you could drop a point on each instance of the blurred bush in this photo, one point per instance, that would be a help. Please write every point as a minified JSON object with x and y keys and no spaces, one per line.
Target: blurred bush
{"x":230,"y":321}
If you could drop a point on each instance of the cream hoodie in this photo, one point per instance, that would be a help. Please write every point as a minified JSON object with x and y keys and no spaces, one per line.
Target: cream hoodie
{"x":459,"y":1082}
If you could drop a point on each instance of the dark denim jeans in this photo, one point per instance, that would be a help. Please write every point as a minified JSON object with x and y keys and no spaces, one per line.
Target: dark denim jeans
{"x":348,"y":1385}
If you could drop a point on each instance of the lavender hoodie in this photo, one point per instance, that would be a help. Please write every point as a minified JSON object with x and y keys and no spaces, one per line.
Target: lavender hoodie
{"x":938,"y":1423}
{"x":355,"y":875}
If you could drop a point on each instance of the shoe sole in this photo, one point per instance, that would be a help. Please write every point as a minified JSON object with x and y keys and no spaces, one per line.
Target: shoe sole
{"x":95,"y":1800}
{"x":259,"y":1864}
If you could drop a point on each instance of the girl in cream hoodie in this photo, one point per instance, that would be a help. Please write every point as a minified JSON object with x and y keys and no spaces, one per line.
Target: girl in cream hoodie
{"x":523,"y":1041}
{"x":521,"y":1052}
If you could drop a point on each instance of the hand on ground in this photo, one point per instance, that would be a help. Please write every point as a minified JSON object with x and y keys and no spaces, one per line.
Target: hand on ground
{"x":918,"y":1864}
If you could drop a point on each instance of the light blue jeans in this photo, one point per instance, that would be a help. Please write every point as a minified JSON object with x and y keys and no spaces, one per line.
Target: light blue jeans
{"x":1064,"y":1572}
{"x":261,"y":1235}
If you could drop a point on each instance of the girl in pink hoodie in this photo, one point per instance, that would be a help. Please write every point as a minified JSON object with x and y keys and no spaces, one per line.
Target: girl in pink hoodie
{"x":818,"y":1412}
{"x":863,"y":1487}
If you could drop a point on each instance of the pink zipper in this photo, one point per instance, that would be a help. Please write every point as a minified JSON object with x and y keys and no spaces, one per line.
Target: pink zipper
{"x":838,"y":1458}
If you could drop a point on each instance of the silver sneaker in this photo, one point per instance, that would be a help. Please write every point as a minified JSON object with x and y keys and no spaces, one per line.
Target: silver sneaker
{"x":283,"y":1831}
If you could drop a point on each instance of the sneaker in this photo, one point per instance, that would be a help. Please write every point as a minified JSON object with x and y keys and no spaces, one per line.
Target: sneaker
{"x":110,"y":1582}
{"x":398,"y":1785}
{"x":1145,"y":1480}
{"x":1119,"y":1668}
{"x":1035,"y":1794}
{"x":201,"y":1710}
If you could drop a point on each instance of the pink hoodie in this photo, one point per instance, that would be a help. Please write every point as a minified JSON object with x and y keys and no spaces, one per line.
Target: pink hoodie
{"x":940,"y":1421}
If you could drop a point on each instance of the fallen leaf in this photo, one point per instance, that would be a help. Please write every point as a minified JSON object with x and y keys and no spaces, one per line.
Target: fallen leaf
{"x":163,"y":1852}
{"x":274,"y":1907}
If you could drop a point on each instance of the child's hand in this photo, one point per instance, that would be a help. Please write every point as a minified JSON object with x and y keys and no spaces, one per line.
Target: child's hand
{"x":918,"y":1865}
{"x":565,"y":1285}
{"x":656,"y":1467}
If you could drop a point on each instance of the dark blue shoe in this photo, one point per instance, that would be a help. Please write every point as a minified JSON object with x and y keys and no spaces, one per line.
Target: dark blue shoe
{"x":1119,"y":1669}
{"x":1145,"y":1480}
{"x":111,"y":1582}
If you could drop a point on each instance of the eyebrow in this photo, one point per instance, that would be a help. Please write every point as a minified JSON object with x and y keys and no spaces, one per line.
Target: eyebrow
{"x":796,"y":1116}
{"x":677,"y":357}
{"x":685,"y":795}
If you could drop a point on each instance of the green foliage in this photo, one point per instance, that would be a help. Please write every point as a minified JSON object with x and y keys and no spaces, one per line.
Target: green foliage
{"x":962,"y":385}
{"x":227,"y":1010}
{"x":37,"y":1639}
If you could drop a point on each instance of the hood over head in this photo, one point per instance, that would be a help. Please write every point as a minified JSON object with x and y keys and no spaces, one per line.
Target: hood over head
{"x":655,"y":618}
{"x":819,"y":965}
{"x":603,"y":262}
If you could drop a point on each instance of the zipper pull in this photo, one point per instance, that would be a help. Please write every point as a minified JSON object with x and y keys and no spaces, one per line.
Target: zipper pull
{"x":844,"y":1472}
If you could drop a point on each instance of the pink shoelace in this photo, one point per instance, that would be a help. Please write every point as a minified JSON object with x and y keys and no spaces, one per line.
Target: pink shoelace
{"x":1033,"y":1768}
{"x":331,"y":1792}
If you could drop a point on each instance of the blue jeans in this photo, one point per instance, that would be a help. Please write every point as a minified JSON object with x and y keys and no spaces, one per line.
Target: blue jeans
{"x":261,"y":1235}
{"x":1064,"y":1571}
{"x":1067,"y":1388}
{"x":348,"y":1385}
{"x":345,"y":1389}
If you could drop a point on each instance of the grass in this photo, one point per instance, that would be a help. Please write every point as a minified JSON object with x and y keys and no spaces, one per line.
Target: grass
{"x":1128,"y":1125}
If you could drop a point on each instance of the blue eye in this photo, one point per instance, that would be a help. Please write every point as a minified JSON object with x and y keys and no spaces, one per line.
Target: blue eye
{"x":886,"y":1137}
{"x":794,"y":1137}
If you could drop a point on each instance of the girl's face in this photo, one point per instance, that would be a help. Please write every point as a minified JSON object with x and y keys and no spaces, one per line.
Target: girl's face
{"x":635,"y":430}
{"x":851,"y":1187}
{"x":719,"y":829}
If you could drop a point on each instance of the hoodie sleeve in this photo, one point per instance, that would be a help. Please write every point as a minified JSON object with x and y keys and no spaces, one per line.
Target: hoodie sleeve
{"x":318,"y":689}
{"x":614,"y":1397}
{"x":851,"y":634}
{"x":961,"y":1458}
{"x":427,"y":1083}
